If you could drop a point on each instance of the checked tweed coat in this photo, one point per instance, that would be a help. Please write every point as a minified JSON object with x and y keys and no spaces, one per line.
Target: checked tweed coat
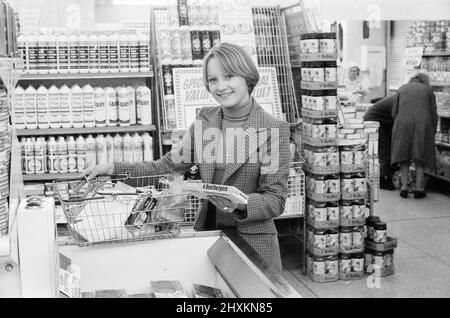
{"x":264,"y":179}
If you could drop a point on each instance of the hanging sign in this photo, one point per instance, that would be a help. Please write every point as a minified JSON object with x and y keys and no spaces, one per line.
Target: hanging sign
{"x":191,"y":94}
{"x":413,"y":56}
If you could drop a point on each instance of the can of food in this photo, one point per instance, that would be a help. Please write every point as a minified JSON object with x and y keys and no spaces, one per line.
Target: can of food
{"x":311,"y":236}
{"x":316,"y":99}
{"x":332,"y":159}
{"x":345,"y":236}
{"x":318,"y":265}
{"x":309,"y":43}
{"x":306,"y":72}
{"x":317,"y":71}
{"x":345,"y":263}
{"x":330,"y":131}
{"x":327,"y":42}
{"x":332,"y":238}
{"x":358,"y":262}
{"x":318,"y":131}
{"x":331,"y":265}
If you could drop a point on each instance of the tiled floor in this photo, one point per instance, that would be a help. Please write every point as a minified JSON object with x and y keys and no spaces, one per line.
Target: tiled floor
{"x":422,"y":258}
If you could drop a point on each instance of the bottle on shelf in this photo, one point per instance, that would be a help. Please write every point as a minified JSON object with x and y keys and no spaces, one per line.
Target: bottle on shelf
{"x":29,"y":156}
{"x":134,"y":52}
{"x":72,"y":154}
{"x":54,"y":107}
{"x":101,"y":107}
{"x":81,"y":154}
{"x":100,"y":145}
{"x":30,"y":108}
{"x":124,"y":52}
{"x":91,"y":157}
{"x":143,"y":105}
{"x":42,"y":54}
{"x":131,"y":93}
{"x":62,"y":153}
{"x":88,"y":106}
{"x":103,"y":53}
{"x":22,"y":47}
{"x":112,"y":106}
{"x":138,"y":154}
{"x":33,"y":53}
{"x":113,"y":47}
{"x":83,"y":53}
{"x":42,"y":107}
{"x":109,"y":148}
{"x":19,"y":108}
{"x":52,"y":54}
{"x":53,"y":155}
{"x":65,"y":106}
{"x":144,"y":52}
{"x":118,"y":148}
{"x":63,"y":53}
{"x":128,"y":148}
{"x":147,"y":142}
{"x":93,"y":50}
{"x":124,"y":106}
{"x":74,"y":54}
{"x":76,"y":94}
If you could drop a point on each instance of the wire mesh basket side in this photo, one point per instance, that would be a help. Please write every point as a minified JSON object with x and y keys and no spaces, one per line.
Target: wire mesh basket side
{"x":295,"y":201}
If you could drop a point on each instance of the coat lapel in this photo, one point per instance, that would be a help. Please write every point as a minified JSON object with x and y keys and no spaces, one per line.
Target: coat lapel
{"x":213,"y":121}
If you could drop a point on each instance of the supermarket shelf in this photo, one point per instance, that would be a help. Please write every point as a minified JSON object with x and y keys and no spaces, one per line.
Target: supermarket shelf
{"x":437,"y":177}
{"x":436,"y":54}
{"x":49,"y":176}
{"x":28,"y":77}
{"x":84,"y":130}
{"x":440,"y":83}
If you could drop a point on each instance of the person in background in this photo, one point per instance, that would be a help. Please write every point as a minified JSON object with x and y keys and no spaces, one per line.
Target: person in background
{"x":413,"y":134}
{"x":381,"y":112}
{"x":230,"y":75}
{"x":354,"y":89}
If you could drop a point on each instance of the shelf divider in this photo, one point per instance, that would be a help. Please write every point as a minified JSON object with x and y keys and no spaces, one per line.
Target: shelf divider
{"x":49,"y":176}
{"x":29,"y":77}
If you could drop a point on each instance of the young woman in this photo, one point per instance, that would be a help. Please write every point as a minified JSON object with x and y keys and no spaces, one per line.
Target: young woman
{"x":236,"y":143}
{"x":415,"y":122}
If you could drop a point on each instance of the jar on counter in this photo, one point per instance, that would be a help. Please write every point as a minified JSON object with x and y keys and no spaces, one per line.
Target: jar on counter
{"x":380,"y":232}
{"x":317,"y":71}
{"x":330,"y":71}
{"x":327,"y":43}
{"x":370,"y":222}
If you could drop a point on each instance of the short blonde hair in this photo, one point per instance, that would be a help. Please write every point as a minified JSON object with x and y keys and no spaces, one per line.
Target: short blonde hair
{"x":235,"y":61}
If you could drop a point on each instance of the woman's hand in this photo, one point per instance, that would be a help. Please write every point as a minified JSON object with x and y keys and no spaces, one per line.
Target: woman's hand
{"x":98,"y":170}
{"x":222,"y":204}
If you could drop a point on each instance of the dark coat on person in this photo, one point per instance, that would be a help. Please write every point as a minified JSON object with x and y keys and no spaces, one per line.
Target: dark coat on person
{"x":415,"y":122}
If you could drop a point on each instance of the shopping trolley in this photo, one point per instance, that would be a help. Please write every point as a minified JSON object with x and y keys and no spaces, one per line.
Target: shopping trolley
{"x":122,"y":208}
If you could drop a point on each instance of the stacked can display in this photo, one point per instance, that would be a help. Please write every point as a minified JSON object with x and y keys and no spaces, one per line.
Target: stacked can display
{"x":379,"y":252}
{"x":319,"y":132}
{"x":85,"y":52}
{"x":5,"y":155}
{"x":434,"y":36}
{"x":188,"y":34}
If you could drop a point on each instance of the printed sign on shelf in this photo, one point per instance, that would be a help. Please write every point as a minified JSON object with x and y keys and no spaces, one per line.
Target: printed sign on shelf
{"x":413,"y":56}
{"x":191,"y":94}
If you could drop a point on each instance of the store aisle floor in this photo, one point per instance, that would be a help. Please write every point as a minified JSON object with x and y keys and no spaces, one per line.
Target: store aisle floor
{"x":422,"y":258}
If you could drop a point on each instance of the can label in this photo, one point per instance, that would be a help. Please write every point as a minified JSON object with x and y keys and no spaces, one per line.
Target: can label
{"x":330,"y":131}
{"x":347,"y":185}
{"x":358,"y":157}
{"x":319,"y":186}
{"x":196,"y":45}
{"x":332,"y":240}
{"x":357,"y":264}
{"x":330,"y":102}
{"x":345,"y":265}
{"x":333,"y":186}
{"x":330,"y":74}
{"x":345,"y":239}
{"x":359,"y":184}
{"x":358,"y":211}
{"x":333,"y":213}
{"x":319,"y":159}
{"x":318,"y":267}
{"x":346,"y":157}
{"x":333,"y":159}
{"x":319,"y":214}
{"x":331,"y":267}
{"x":388,"y":260}
{"x":320,"y":240}
{"x":327,"y":45}
{"x":379,"y":236}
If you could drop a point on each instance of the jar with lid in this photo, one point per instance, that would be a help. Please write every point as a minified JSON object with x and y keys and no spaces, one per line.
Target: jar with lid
{"x":380,"y":232}
{"x":317,"y":99}
{"x":332,"y":238}
{"x":333,"y":183}
{"x":320,"y":239}
{"x":333,"y":211}
{"x":320,"y":157}
{"x":330,"y":71}
{"x":346,"y":155}
{"x":347,"y":183}
{"x":358,"y":209}
{"x":330,"y":99}
{"x":327,"y":43}
{"x":309,"y":43}
{"x":318,"y":265}
{"x":317,"y":71}
{"x":358,"y":262}
{"x":370,"y":222}
{"x":345,"y":236}
{"x":319,"y":212}
{"x":332,"y":157}
{"x":345,"y":263}
{"x":357,"y":237}
{"x":318,"y":184}
{"x":359,"y":182}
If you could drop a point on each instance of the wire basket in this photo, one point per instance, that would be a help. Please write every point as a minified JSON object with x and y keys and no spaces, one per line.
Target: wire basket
{"x":295,"y":201}
{"x":107,"y":210}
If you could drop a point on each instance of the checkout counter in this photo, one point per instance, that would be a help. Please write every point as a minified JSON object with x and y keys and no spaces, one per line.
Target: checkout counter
{"x":219,"y":259}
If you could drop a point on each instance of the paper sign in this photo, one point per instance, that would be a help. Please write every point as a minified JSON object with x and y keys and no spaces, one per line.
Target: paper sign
{"x":413,"y":56}
{"x":191,"y":94}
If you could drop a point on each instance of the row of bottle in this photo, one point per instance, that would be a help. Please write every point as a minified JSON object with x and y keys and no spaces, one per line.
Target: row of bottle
{"x":180,"y":45}
{"x":85,"y":52}
{"x":59,"y":155}
{"x":81,"y":107}
{"x":193,"y":12}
